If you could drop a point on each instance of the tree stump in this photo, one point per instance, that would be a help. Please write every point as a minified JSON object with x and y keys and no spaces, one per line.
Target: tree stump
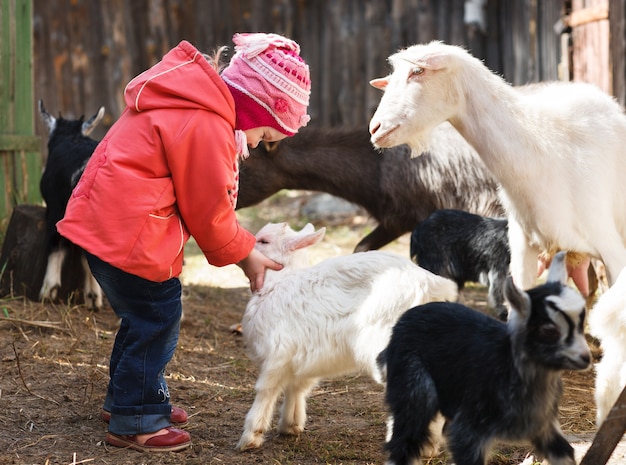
{"x":23,"y":259}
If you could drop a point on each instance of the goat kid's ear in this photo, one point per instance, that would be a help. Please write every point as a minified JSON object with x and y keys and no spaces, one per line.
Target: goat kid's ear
{"x":307,"y":229}
{"x":558,"y":269}
{"x":518,"y":299}
{"x":380,"y":83}
{"x":92,"y":122}
{"x":47,"y":119}
{"x":306,"y":240}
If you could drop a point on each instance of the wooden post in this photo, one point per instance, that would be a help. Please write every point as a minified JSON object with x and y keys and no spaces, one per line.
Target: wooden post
{"x":609,"y":434}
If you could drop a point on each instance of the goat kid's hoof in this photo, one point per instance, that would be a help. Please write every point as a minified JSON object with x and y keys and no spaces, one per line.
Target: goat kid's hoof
{"x":50,"y":293}
{"x":94,"y":302}
{"x":249,"y":442}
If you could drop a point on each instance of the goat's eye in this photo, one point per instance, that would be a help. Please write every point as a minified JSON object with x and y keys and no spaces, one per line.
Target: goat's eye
{"x":417,"y":70}
{"x":549,"y":333}
{"x":262,"y":241}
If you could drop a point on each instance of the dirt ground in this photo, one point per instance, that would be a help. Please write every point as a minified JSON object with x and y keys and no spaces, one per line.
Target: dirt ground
{"x":53,"y":374}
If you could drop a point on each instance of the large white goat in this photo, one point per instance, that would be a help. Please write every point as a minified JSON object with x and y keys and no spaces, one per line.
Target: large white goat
{"x":556,"y":148}
{"x":325,"y":320}
{"x":607,"y":322}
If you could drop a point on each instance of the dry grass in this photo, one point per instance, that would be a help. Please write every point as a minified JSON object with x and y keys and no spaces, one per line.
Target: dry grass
{"x":53,"y":374}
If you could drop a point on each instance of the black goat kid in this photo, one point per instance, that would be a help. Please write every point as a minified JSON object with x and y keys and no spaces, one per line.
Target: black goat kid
{"x":463,"y":247}
{"x":491,"y":381}
{"x":69,"y":150}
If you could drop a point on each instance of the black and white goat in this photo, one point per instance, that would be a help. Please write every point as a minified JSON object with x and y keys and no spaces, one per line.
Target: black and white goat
{"x":491,"y":381}
{"x":396,"y":187}
{"x":69,"y":149}
{"x":320,"y":321}
{"x":465,"y":247}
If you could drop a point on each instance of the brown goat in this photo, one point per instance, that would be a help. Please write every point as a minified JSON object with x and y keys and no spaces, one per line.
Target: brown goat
{"x":397,"y":190}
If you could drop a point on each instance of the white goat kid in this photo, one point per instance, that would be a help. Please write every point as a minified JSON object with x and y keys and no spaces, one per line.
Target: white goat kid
{"x":556,"y":148}
{"x":330,"y":319}
{"x":607,"y":322}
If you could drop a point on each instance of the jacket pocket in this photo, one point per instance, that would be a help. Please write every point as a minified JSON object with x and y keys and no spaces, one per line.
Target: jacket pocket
{"x":158,"y":251}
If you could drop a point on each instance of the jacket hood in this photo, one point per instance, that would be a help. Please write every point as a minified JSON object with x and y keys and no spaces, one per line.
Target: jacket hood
{"x":183,"y":79}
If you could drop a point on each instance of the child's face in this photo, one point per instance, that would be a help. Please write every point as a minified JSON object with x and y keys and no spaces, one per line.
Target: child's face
{"x":262,"y":134}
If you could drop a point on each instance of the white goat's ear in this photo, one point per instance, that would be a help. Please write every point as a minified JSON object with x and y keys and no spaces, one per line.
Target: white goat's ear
{"x":558,"y":269}
{"x":380,"y":83}
{"x":306,"y":240}
{"x":434,"y":61}
{"x":517,"y":298}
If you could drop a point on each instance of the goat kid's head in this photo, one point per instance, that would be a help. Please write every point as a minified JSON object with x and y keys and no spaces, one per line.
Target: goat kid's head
{"x":419,"y":95}
{"x":280,"y":243}
{"x":547,"y":322}
{"x":86,"y":126}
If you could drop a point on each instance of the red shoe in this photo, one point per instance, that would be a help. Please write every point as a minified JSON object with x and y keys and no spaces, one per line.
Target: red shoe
{"x":178,"y":418}
{"x":175,"y":440}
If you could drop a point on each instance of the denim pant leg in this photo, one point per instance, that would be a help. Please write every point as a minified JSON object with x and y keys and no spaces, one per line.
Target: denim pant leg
{"x":137,"y":395}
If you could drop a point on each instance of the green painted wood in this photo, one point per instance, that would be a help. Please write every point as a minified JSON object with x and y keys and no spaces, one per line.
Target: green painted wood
{"x":18,"y":142}
{"x":20,"y":158}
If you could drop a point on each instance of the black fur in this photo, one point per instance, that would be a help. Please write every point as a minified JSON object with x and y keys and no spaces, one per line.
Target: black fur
{"x":69,"y":150}
{"x":492,"y":381}
{"x":465,"y":247}
{"x":68,"y":153}
{"x":396,"y":190}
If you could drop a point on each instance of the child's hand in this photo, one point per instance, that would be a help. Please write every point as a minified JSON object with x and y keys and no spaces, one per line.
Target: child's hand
{"x":254,"y":266}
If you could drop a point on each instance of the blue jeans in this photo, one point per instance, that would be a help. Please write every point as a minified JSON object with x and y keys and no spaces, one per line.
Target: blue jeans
{"x":150,"y":312}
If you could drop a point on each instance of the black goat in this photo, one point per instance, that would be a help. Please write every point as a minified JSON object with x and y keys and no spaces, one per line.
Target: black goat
{"x":397,"y":190}
{"x":69,"y":150}
{"x":465,"y":247}
{"x":491,"y":381}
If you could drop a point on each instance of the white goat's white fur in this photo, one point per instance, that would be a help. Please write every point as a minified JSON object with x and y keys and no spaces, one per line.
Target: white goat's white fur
{"x":607,"y":322}
{"x":556,"y":148}
{"x":325,"y":320}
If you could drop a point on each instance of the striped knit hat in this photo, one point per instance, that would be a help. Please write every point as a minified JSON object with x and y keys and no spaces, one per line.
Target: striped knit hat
{"x":269,"y":82}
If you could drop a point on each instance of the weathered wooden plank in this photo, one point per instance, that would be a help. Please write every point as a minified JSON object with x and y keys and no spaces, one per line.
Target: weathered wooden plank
{"x":11,"y":142}
{"x":19,"y":149}
{"x":608,"y":435}
{"x":617,"y":47}
{"x":590,"y":55}
{"x":587,"y":15}
{"x":85,"y":52}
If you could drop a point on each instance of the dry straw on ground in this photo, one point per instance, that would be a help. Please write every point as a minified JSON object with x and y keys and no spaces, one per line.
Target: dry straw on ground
{"x":53,"y":373}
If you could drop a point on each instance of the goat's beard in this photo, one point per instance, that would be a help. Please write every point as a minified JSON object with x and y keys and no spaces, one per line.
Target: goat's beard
{"x":419,"y":143}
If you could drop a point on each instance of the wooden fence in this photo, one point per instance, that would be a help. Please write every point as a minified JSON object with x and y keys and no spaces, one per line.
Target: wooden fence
{"x":86,"y":51}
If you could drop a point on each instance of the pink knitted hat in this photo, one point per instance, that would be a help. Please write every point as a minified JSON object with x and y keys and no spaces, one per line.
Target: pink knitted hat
{"x":269,"y":82}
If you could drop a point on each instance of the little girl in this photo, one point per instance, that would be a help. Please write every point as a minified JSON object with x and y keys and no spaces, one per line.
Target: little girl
{"x":165,"y":171}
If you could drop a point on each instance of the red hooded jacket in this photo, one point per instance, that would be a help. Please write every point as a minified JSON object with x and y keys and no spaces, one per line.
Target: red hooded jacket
{"x":166,"y":169}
